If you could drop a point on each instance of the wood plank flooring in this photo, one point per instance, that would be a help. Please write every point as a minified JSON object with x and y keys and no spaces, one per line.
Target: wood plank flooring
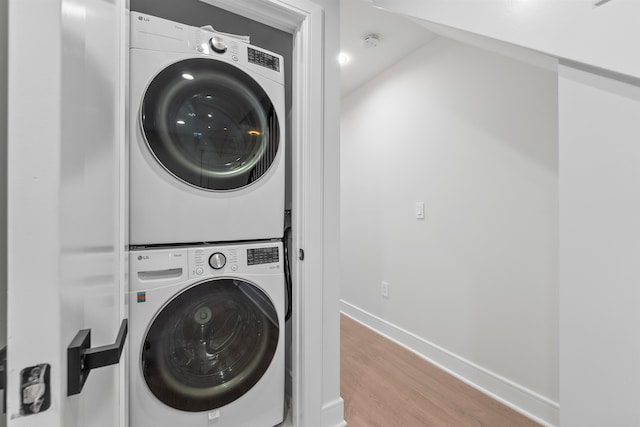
{"x":385,"y":385}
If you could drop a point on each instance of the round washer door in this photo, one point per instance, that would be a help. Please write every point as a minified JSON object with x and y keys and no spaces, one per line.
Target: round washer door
{"x":210,"y":124}
{"x":210,"y":345}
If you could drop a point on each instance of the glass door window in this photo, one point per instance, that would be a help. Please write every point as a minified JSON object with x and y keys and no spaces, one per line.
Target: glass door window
{"x":210,"y":124}
{"x":210,"y":345}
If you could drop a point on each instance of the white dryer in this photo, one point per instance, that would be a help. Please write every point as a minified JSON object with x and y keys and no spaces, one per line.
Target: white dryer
{"x":207,"y":336}
{"x":206,"y":136}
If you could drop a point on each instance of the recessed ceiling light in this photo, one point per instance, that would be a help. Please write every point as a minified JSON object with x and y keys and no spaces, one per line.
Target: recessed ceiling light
{"x":343,"y":58}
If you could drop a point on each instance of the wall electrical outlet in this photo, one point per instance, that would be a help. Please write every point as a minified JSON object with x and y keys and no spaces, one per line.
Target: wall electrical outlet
{"x":384,"y":290}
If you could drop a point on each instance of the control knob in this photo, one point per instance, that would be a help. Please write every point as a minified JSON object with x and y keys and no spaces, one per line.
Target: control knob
{"x":217,"y":261}
{"x":218,"y":44}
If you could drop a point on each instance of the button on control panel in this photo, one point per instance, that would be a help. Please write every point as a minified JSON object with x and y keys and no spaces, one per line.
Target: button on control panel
{"x":199,"y":260}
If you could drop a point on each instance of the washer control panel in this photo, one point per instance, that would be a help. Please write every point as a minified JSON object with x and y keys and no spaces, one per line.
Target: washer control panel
{"x":256,"y":258}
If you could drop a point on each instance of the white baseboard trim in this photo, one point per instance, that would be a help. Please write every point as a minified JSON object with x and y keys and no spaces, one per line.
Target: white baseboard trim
{"x":333,"y":414}
{"x":529,"y":403}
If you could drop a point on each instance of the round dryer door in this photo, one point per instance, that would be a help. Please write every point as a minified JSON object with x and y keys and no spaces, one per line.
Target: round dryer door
{"x":210,"y":124}
{"x":210,"y":345}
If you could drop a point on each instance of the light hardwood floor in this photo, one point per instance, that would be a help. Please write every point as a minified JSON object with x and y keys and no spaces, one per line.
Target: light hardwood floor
{"x":385,"y":385}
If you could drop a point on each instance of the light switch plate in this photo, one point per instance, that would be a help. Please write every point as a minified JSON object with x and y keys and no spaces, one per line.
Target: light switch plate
{"x":384,"y":290}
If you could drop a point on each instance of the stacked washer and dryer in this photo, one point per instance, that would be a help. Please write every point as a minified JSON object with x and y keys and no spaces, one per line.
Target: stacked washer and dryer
{"x":206,"y":195}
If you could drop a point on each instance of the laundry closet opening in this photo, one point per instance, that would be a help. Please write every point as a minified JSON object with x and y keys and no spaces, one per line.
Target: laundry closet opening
{"x":473,"y":134}
{"x":220,"y":129}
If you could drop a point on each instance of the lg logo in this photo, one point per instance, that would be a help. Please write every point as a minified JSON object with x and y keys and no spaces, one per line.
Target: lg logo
{"x":141,"y":257}
{"x":143,"y":18}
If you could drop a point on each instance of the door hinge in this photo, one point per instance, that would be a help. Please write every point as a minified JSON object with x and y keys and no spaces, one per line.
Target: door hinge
{"x":301,"y":254}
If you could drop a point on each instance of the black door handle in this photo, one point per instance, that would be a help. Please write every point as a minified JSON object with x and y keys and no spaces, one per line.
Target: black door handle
{"x":81,"y":358}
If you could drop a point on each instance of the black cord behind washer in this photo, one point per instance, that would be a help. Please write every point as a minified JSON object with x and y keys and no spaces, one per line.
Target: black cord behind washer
{"x":287,"y":272}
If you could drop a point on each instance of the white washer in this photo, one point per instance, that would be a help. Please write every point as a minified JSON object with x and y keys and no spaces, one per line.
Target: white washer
{"x":206,"y":136}
{"x":207,"y":336}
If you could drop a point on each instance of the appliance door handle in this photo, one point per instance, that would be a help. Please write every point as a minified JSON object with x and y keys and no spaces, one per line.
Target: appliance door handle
{"x":3,"y":377}
{"x":3,"y":367}
{"x":81,"y":358}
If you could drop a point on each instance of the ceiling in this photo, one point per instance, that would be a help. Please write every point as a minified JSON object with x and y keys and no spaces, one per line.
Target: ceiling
{"x":398,"y":36}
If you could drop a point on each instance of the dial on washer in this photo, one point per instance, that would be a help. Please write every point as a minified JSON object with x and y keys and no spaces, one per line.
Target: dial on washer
{"x":217,"y":260}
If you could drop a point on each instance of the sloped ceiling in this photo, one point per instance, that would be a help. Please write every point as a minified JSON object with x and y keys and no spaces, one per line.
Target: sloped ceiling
{"x":398,"y":37}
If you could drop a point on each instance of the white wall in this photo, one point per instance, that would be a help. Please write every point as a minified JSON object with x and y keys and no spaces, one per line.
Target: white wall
{"x":600,"y":247}
{"x":474,"y":286}
{"x":572,"y":29}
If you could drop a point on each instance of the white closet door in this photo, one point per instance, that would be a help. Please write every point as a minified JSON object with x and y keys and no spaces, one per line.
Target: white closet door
{"x":65,"y":234}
